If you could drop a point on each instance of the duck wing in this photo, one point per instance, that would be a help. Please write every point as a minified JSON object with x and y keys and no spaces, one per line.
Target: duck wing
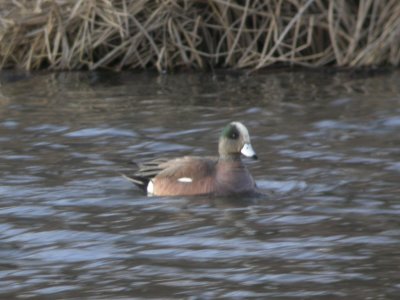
{"x":192,"y":167}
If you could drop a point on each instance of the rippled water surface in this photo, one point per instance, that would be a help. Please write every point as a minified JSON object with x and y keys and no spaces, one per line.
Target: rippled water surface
{"x":72,"y":228}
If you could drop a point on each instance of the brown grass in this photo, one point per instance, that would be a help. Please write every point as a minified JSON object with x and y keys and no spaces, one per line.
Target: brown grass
{"x":168,"y":34}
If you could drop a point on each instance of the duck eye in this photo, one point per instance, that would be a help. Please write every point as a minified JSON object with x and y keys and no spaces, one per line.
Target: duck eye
{"x":234,"y":135}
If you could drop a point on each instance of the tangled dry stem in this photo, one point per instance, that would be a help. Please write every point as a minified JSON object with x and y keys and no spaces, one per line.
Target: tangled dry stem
{"x":168,"y":34}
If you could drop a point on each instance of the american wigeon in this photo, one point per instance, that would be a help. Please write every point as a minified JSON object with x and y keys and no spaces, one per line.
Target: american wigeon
{"x":192,"y":175}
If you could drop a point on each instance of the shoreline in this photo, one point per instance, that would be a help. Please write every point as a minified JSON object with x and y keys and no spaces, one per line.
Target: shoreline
{"x":198,"y":35}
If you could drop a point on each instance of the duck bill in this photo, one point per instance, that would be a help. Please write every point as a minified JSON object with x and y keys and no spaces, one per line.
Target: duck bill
{"x":248,"y":151}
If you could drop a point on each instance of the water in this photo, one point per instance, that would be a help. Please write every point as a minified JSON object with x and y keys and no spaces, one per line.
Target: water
{"x":72,"y":228}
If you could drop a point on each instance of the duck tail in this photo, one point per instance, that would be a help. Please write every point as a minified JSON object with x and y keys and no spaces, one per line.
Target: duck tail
{"x":140,"y":181}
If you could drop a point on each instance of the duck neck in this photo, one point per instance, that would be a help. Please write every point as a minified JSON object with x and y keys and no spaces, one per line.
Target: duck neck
{"x":230,"y":158}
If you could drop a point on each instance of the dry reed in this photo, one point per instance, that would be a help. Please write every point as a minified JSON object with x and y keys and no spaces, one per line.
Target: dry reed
{"x":168,"y":34}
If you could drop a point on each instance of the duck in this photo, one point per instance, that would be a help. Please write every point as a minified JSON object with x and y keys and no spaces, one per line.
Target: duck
{"x":224,"y":175}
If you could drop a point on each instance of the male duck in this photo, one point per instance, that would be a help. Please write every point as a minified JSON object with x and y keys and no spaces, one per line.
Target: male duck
{"x":192,"y":175}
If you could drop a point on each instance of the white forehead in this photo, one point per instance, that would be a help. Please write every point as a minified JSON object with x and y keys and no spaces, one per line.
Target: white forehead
{"x":243,"y":130}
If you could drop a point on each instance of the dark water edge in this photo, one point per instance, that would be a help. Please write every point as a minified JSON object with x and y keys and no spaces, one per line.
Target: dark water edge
{"x":72,"y":228}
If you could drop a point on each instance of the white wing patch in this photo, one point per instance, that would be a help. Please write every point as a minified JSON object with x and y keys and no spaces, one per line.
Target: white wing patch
{"x":150,"y":187}
{"x":185,"y":179}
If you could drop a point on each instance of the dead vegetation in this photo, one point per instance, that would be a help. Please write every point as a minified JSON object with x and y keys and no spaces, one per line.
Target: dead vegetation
{"x":198,"y":34}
